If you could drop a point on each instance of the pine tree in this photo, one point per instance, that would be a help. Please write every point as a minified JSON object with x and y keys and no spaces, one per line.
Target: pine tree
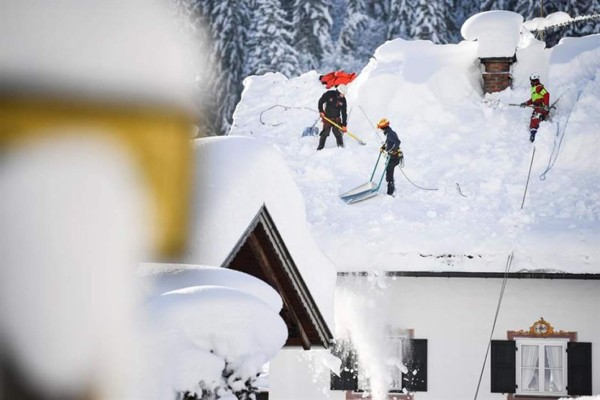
{"x":196,"y":25}
{"x":429,"y":22}
{"x":312,"y":37}
{"x":269,"y":44}
{"x":399,"y":19}
{"x":529,"y":9}
{"x":354,"y":26}
{"x":451,"y":33}
{"x":228,"y":22}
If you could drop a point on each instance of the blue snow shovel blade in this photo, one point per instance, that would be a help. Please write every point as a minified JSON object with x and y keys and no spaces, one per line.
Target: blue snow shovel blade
{"x":359,"y":193}
{"x":310,"y":131}
{"x":366,"y":190}
{"x":360,"y":196}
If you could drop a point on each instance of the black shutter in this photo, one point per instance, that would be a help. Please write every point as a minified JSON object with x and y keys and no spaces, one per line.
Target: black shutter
{"x":415,"y":360}
{"x":579,"y":372}
{"x":348,"y":379}
{"x":503,"y":366}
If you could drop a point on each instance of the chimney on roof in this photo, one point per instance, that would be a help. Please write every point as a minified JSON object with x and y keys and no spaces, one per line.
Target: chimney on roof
{"x":496,"y":74}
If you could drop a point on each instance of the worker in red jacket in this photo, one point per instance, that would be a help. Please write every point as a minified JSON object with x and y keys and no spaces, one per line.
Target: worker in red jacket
{"x":332,"y":105}
{"x":540,"y":100}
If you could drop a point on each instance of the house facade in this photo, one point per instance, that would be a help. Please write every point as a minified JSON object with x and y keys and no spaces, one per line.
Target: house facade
{"x":545,"y":342}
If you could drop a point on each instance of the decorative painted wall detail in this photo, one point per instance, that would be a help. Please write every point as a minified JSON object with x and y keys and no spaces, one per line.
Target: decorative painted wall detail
{"x":540,"y":328}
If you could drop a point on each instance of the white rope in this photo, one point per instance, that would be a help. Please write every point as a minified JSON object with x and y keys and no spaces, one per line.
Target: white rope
{"x":528,"y":176}
{"x":508,"y":263}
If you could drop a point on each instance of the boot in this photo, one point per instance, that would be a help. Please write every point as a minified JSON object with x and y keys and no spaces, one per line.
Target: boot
{"x":391,"y":189}
{"x":532,"y":135}
{"x":321,"y":142}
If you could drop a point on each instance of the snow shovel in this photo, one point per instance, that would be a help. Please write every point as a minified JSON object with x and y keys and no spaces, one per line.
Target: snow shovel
{"x":311,"y":130}
{"x":366,"y":190}
{"x":340,"y":128}
{"x":551,"y":107}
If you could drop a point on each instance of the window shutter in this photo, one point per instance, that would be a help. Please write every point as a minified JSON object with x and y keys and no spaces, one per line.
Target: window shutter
{"x":348,"y":379}
{"x":415,"y":360}
{"x":579,"y":368}
{"x":503,"y":366}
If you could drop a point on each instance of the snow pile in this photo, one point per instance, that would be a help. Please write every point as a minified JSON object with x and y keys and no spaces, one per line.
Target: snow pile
{"x":211,"y":330}
{"x":458,"y":205}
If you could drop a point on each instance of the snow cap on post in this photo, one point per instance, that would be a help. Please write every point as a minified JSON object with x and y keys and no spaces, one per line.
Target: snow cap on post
{"x":126,"y":51}
{"x":496,"y":32}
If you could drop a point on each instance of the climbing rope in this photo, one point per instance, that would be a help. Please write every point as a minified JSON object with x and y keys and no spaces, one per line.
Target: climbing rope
{"x":260,"y":117}
{"x":555,"y":148}
{"x":504,"y":280}
{"x":370,"y":123}
{"x":415,"y":185}
{"x":528,"y":175}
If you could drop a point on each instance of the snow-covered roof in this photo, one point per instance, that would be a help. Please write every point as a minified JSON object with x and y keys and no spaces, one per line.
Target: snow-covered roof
{"x":234,"y":178}
{"x":458,"y":205}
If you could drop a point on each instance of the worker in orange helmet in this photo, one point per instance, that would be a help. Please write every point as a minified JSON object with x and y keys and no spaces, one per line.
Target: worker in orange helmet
{"x":392,"y":148}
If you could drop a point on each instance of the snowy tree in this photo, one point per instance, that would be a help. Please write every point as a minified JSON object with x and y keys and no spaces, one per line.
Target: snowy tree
{"x":196,"y":25}
{"x":228,"y":22}
{"x":354,"y":25}
{"x":312,"y":37}
{"x":269,"y":44}
{"x":399,"y":18}
{"x":508,"y":5}
{"x":429,"y":21}
{"x":529,"y":9}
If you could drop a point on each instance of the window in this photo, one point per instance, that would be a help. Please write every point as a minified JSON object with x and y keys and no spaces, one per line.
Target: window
{"x":404,"y":351}
{"x":395,"y":344}
{"x":541,"y":367}
{"x":549,"y":367}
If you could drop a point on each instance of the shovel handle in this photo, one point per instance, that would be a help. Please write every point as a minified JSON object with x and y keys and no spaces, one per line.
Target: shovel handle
{"x":340,"y":128}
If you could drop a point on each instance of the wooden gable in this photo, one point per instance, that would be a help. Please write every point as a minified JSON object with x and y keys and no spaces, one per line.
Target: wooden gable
{"x":262,"y":253}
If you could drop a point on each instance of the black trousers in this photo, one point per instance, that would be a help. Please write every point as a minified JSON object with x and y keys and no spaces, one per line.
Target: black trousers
{"x":327,"y":127}
{"x":389,"y":171}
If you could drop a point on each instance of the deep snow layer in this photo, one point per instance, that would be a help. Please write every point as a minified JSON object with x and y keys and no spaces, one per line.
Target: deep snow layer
{"x":472,"y":149}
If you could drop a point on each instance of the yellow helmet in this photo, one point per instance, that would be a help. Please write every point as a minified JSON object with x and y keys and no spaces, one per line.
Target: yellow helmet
{"x":383,"y":123}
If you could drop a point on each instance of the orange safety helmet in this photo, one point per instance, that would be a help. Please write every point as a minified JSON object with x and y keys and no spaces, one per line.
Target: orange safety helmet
{"x":383,"y":123}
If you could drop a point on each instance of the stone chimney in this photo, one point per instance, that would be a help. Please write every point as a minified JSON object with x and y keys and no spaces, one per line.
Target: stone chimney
{"x":496,"y":34}
{"x":497,"y":76}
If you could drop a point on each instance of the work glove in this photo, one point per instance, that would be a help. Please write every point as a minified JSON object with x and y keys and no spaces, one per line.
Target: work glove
{"x":523,"y":105}
{"x":382,"y":149}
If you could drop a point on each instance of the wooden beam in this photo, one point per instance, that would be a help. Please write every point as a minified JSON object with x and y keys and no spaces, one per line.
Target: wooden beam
{"x":269,"y":270}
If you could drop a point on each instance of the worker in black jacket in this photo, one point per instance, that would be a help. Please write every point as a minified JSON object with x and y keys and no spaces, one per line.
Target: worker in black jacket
{"x":332,"y":105}
{"x":392,"y":148}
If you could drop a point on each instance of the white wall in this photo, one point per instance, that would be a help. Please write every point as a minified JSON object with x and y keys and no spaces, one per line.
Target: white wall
{"x":456,"y":316}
